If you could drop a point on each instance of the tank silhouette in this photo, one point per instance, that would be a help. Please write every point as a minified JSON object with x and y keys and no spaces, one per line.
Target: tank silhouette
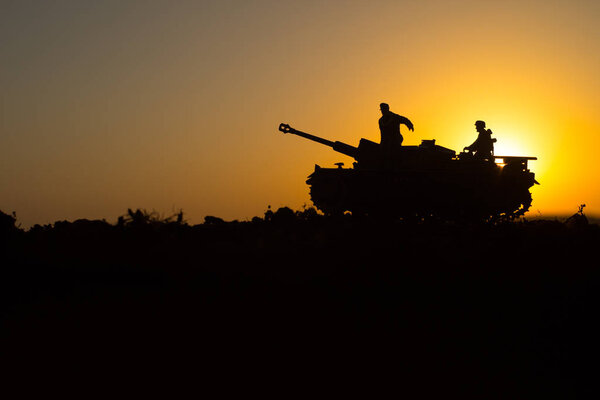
{"x":420,"y":181}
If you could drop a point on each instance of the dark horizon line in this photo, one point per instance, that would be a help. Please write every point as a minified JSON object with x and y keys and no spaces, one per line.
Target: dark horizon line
{"x":532,"y":215}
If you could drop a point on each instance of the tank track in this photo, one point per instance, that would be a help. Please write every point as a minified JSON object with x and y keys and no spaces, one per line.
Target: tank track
{"x":519,"y":210}
{"x":332,"y":195}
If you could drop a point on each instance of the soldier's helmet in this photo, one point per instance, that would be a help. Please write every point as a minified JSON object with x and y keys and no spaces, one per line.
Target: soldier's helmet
{"x":480,"y":124}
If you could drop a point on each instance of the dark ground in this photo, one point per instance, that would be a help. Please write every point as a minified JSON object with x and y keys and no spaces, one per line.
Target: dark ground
{"x":300,"y":303}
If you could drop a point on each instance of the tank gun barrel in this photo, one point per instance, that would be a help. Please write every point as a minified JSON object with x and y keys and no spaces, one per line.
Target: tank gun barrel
{"x":337,"y":146}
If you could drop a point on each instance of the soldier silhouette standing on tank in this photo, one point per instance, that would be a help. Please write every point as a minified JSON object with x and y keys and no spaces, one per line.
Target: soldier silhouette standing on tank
{"x":391,"y":139}
{"x":389,"y":125}
{"x":483,"y":146}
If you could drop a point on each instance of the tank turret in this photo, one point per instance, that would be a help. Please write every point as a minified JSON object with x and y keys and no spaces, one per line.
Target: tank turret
{"x":420,"y":181}
{"x":369,"y":155}
{"x":367,"y":152}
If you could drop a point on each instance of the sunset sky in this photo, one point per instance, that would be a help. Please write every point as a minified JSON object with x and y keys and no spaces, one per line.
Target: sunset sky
{"x":168,"y":105}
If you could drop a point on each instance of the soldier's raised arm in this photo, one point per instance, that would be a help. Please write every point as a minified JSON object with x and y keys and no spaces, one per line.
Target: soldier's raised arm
{"x":406,"y":121}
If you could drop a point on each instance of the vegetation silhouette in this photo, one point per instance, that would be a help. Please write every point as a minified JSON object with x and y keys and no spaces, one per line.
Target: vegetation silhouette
{"x":428,"y":307}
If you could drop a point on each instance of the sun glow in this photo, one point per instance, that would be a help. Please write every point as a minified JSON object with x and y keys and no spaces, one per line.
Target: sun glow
{"x":510,"y":147}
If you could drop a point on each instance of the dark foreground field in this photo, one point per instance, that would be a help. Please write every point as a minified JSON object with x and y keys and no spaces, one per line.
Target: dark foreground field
{"x":296,"y":303}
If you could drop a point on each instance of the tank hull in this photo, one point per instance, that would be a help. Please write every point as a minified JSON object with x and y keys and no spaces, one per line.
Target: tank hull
{"x":457,"y":189}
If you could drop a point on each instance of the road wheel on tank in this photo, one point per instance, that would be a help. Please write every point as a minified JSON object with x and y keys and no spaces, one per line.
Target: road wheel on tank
{"x":524,"y":205}
{"x":519,"y":204}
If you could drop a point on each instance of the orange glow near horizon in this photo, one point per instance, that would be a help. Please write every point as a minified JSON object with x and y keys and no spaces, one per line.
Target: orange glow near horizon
{"x":165,"y":107}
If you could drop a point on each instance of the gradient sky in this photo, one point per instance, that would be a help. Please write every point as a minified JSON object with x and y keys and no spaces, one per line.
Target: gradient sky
{"x":168,"y":105}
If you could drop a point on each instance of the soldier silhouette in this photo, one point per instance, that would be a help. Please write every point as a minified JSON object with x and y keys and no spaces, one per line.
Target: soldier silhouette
{"x":483,"y":146}
{"x":389,"y":125}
